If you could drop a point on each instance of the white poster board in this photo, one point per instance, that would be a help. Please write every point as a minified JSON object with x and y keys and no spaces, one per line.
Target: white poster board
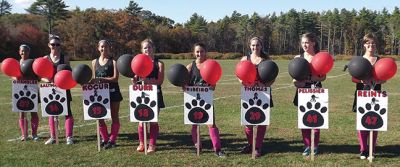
{"x":372,"y":110}
{"x":143,"y":103}
{"x":96,"y":101}
{"x":25,"y":96}
{"x":255,"y":105}
{"x":53,"y":100}
{"x":198,"y":108}
{"x":313,"y":110}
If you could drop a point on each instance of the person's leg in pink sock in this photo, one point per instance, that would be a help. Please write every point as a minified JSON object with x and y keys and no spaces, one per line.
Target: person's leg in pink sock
{"x":249,"y":134}
{"x":215,"y":138}
{"x":154,"y":130}
{"x":103,"y":131}
{"x":34,"y":124}
{"x":140,"y":148}
{"x":69,"y":125}
{"x":194,"y":134}
{"x":374,"y":139}
{"x":316,"y":138}
{"x":115,"y":122}
{"x":52,"y":127}
{"x":362,"y":138}
{"x":306,"y":133}
{"x":260,"y":136}
{"x":22,"y":126}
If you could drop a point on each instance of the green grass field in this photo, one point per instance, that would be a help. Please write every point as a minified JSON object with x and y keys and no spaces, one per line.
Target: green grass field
{"x":282,"y":144}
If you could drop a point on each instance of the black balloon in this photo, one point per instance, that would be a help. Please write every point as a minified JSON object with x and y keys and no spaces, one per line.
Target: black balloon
{"x":26,"y":68}
{"x":124,"y":65}
{"x":299,"y":69}
{"x":267,"y":71}
{"x":82,"y":74}
{"x":178,"y":75}
{"x":360,"y":68}
{"x":63,"y":67}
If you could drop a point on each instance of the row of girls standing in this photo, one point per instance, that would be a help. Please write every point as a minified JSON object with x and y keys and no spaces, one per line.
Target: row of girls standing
{"x":105,"y":71}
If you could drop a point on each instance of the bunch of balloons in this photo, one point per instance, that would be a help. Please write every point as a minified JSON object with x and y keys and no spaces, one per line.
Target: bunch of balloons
{"x":300,"y":69}
{"x":361,"y":69}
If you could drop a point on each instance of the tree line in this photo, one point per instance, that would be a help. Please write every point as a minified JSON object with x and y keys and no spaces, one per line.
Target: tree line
{"x":339,"y":30}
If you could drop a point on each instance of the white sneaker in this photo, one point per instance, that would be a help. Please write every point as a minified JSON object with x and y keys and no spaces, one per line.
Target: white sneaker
{"x":70,"y":140}
{"x":369,"y":158}
{"x":35,"y":138}
{"x":23,"y":138}
{"x":50,"y":141}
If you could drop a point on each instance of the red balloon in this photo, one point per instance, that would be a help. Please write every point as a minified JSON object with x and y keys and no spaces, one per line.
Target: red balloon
{"x":142,"y":65}
{"x":246,"y":71}
{"x":63,"y":79}
{"x":211,"y":71}
{"x":43,"y":67}
{"x":11,"y":67}
{"x":321,"y":63}
{"x":384,"y":69}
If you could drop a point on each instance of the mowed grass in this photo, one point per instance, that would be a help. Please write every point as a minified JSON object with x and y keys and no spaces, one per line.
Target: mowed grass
{"x":282,"y":144}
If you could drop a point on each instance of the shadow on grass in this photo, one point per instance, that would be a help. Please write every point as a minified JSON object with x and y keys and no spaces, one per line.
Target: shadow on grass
{"x":233,"y":144}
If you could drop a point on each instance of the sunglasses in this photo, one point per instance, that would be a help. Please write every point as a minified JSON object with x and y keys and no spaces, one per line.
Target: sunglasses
{"x":55,"y":44}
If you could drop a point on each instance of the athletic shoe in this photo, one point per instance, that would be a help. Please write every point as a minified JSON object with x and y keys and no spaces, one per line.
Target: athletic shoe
{"x":151,"y":149}
{"x":35,"y":138}
{"x":23,"y":138}
{"x":110,"y":144}
{"x":70,"y":140}
{"x":315,"y":150}
{"x":363,"y":155}
{"x":50,"y":141}
{"x":220,"y":154}
{"x":306,"y":151}
{"x":258,"y":153}
{"x":246,"y":149}
{"x":140,"y":148}
{"x":372,"y":157}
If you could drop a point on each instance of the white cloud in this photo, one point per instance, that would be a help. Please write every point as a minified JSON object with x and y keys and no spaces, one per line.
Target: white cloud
{"x":22,"y":3}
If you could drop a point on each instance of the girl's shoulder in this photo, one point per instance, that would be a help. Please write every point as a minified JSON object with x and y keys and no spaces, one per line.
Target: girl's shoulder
{"x":297,"y":56}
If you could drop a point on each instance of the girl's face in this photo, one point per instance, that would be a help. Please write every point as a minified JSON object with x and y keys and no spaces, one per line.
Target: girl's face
{"x":24,"y":53}
{"x":370,"y":46}
{"x":255,"y":46}
{"x":307,"y":45}
{"x":55,"y":45}
{"x":103,"y":48}
{"x":199,"y":52}
{"x":147,"y":48}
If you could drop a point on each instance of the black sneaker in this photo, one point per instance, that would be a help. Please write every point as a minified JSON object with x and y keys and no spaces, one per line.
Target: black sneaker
{"x":103,"y":143}
{"x":363,"y":155}
{"x":110,"y":144}
{"x":246,"y":149}
{"x":220,"y":154}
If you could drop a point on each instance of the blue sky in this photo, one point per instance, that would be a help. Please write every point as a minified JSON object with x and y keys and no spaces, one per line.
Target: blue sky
{"x":213,"y":10}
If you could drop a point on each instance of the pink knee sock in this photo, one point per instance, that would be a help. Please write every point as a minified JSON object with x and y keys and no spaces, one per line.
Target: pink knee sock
{"x":154,"y":129}
{"x":114,"y":131}
{"x":52,"y":127}
{"x":249,"y":134}
{"x":260,"y":135}
{"x":34,"y":123}
{"x":215,"y":139}
{"x":306,"y":133}
{"x":22,"y":124}
{"x":194,"y":134}
{"x":103,"y":130}
{"x":140,"y":133}
{"x":69,"y":125}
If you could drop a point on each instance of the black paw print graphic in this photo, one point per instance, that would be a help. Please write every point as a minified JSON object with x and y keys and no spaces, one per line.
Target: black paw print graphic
{"x":254,"y":114}
{"x":313,"y":118}
{"x":97,"y":109}
{"x":25,"y":99}
{"x":53,"y":103}
{"x":197,"y":110}
{"x":371,"y":119}
{"x":143,"y":112}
